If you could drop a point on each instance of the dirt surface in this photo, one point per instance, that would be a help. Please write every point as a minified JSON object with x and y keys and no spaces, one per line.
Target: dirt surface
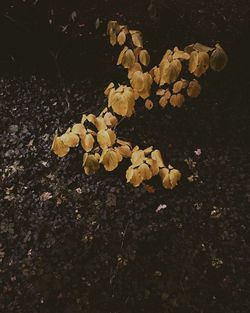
{"x":71,"y":243}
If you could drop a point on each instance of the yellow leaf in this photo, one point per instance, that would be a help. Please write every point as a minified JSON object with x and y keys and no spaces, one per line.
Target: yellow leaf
{"x":177,"y":86}
{"x":169,"y":71}
{"x":181,"y":55}
{"x":144,"y":171}
{"x":136,"y":67}
{"x":110,"y":120}
{"x":144,"y":57}
{"x":203,"y":64}
{"x":193,"y":61}
{"x":104,"y":139}
{"x":160,"y":92}
{"x":137,"y":157}
{"x":112,"y":136}
{"x":137,"y":81}
{"x":202,"y":48}
{"x":121,"y":38}
{"x":59,"y":148}
{"x":122,"y":101}
{"x":110,"y":160}
{"x":177,"y":100}
{"x":156,"y":155}
{"x":128,"y":59}
{"x":163,"y":101}
{"x":78,"y":129}
{"x":218,"y":59}
{"x":164,"y":174}
{"x":107,"y":90}
{"x":122,"y":55}
{"x":136,"y":38}
{"x":174,"y":177}
{"x":133,"y":177}
{"x":153,"y":166}
{"x":70,"y":139}
{"x":194,"y":89}
{"x":149,"y":104}
{"x":90,"y":164}
{"x":87,"y":142}
{"x":124,"y":150}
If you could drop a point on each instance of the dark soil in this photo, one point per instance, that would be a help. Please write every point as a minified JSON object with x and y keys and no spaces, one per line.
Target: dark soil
{"x":97,"y":244}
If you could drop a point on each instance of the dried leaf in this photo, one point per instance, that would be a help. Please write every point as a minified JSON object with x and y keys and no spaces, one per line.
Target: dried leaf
{"x":90,"y":164}
{"x":110,"y":160}
{"x":156,"y":155}
{"x":87,"y":142}
{"x":136,"y":38}
{"x":177,"y":100}
{"x":70,"y":139}
{"x":59,"y":148}
{"x":107,"y":90}
{"x":218,"y":59}
{"x":136,"y":67}
{"x":144,"y":57}
{"x":194,"y":89}
{"x":121,"y":38}
{"x":169,"y":71}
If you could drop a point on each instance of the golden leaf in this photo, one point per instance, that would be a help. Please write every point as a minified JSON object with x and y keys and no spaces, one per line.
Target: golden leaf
{"x":164,"y":174}
{"x":78,"y":129}
{"x":124,"y":142}
{"x":160,"y":92}
{"x":128,"y":59}
{"x":108,"y":88}
{"x":193,"y":61}
{"x":155,"y":74}
{"x":137,"y":157}
{"x":149,"y":104}
{"x":133,"y":177}
{"x":113,"y":29}
{"x":144,"y":57}
{"x":70,"y":139}
{"x":202,"y":48}
{"x":218,"y":59}
{"x":169,"y":71}
{"x":121,"y":38}
{"x":137,"y":81}
{"x":144,"y":171}
{"x":174,"y":177}
{"x":153,"y":166}
{"x":87,"y":142}
{"x":194,"y":89}
{"x":59,"y":148}
{"x":156,"y":155}
{"x":121,"y":55}
{"x":181,"y":55}
{"x":145,"y":93}
{"x":103,"y":139}
{"x":177,"y":100}
{"x":112,"y":136}
{"x":124,"y":150}
{"x":90,"y":164}
{"x":110,"y":120}
{"x":148,"y":150}
{"x":163,"y":101}
{"x":177,"y":86}
{"x":136,"y":38}
{"x":122,"y":100}
{"x":136,"y":67}
{"x":110,"y":160}
{"x":203,"y":64}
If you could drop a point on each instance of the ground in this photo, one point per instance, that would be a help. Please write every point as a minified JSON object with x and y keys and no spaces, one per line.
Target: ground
{"x":72,"y":243}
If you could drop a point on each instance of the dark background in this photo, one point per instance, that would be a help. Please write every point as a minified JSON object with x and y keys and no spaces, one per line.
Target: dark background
{"x":98,"y":244}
